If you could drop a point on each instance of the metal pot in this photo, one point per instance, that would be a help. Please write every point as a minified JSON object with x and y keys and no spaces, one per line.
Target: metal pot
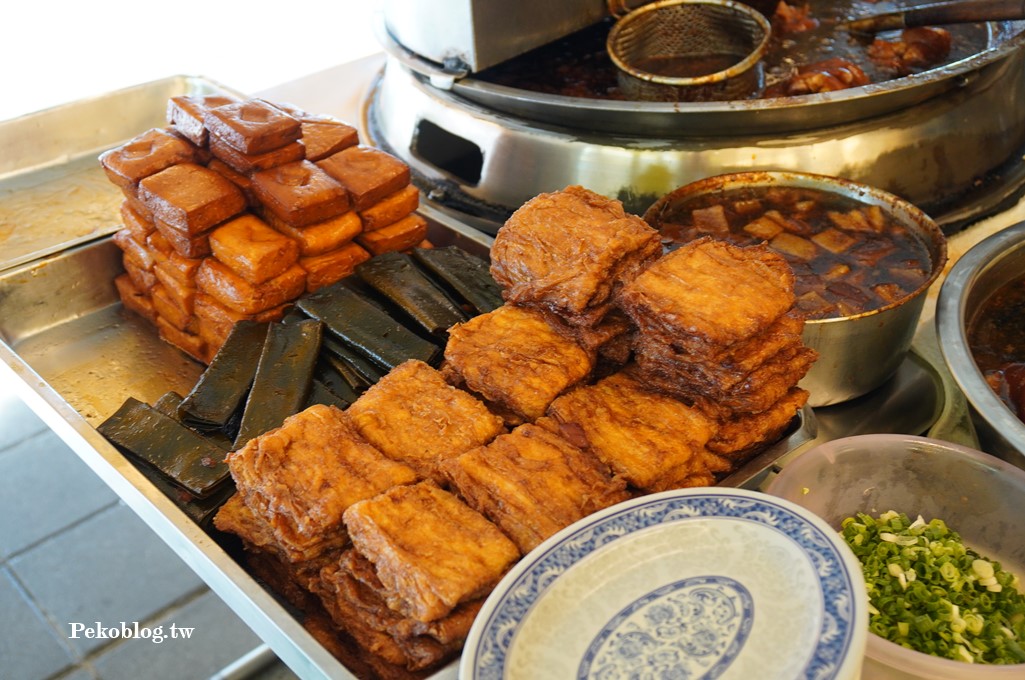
{"x":484,"y":149}
{"x":857,"y":353}
{"x":979,"y":273}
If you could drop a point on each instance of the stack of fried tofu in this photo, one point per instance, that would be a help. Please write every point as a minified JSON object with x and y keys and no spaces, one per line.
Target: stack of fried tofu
{"x":713,"y":343}
{"x":566,"y":254}
{"x":238,"y":207}
{"x":390,"y":522}
{"x":717,"y":327}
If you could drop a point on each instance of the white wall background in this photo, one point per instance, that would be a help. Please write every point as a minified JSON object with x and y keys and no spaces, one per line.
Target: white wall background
{"x":56,"y":51}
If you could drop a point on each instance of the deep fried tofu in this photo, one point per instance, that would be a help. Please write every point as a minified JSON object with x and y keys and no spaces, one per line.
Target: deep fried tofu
{"x":243,"y":182}
{"x":139,"y":254}
{"x":570,"y":251}
{"x":514,"y":359}
{"x":412,"y":415}
{"x":646,"y":437}
{"x":738,"y":437}
{"x":431,"y":551}
{"x":717,"y":375}
{"x":252,"y":249}
{"x":532,"y":483}
{"x":707,"y":295}
{"x":353,"y":596}
{"x":302,"y":476}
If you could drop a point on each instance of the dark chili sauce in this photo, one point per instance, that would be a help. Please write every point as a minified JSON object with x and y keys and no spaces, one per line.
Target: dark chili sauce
{"x":848,"y":257}
{"x":996,"y":338}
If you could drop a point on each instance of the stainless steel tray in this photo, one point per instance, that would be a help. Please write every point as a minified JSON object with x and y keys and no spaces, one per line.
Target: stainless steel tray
{"x":53,"y":193}
{"x":74,"y":355}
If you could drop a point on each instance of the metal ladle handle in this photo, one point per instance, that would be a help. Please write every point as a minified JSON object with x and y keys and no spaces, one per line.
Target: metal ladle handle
{"x":940,"y":13}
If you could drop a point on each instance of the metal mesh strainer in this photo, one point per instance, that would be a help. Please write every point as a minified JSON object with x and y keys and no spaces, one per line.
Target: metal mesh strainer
{"x":690,"y":50}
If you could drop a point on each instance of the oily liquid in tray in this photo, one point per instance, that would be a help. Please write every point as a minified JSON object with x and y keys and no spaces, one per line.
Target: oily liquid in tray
{"x":996,"y":338}
{"x":848,"y":257}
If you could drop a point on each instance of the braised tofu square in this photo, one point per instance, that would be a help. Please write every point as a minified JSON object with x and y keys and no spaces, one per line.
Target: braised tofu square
{"x":532,"y":483}
{"x":252,"y":249}
{"x":190,"y":197}
{"x":300,"y":193}
{"x":332,"y":266}
{"x":652,"y":440}
{"x":252,"y":126}
{"x":248,"y":164}
{"x":323,"y":136}
{"x":401,"y":235}
{"x":320,"y":237}
{"x":515,"y":360}
{"x":391,"y":208}
{"x":147,"y":154}
{"x":186,"y":113}
{"x":220,"y":282}
{"x":367,"y":173}
{"x":302,"y":476}
{"x":412,"y":415}
{"x":431,"y":551}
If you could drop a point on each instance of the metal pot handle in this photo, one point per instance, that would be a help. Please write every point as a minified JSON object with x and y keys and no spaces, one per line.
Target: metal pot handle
{"x":442,"y":76}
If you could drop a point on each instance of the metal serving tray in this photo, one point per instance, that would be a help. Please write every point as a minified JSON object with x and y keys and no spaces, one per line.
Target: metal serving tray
{"x":74,"y":355}
{"x":53,"y":193}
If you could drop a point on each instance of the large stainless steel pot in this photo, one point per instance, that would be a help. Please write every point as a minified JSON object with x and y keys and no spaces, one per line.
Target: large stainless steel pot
{"x":948,"y":140}
{"x":978,"y":274}
{"x":857,"y":353}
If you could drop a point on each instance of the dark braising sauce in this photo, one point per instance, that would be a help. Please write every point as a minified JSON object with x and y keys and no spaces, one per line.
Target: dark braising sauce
{"x":687,"y":67}
{"x":579,"y":65}
{"x":996,"y":338}
{"x":848,"y":257}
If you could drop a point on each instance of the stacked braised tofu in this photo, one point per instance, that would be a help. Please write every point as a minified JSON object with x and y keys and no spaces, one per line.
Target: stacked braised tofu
{"x":236,"y":208}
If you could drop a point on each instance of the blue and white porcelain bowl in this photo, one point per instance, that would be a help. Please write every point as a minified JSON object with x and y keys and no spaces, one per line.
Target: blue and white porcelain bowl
{"x":694,"y":583}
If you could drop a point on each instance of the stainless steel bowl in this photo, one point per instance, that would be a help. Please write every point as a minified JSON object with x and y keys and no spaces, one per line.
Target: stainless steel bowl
{"x":857,"y":353}
{"x":978,"y":274}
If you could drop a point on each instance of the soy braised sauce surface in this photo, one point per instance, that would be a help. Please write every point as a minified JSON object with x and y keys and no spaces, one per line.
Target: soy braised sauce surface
{"x":996,"y":338}
{"x":579,"y":65}
{"x":848,"y":257}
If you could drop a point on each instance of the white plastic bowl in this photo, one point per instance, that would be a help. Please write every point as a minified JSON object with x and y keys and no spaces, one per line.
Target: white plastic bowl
{"x":978,"y":495}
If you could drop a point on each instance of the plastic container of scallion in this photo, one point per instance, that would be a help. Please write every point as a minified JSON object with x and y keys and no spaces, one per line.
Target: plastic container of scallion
{"x":979,"y":496}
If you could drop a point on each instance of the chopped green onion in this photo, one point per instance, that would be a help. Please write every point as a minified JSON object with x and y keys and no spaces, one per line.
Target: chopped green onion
{"x":929,"y":592}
